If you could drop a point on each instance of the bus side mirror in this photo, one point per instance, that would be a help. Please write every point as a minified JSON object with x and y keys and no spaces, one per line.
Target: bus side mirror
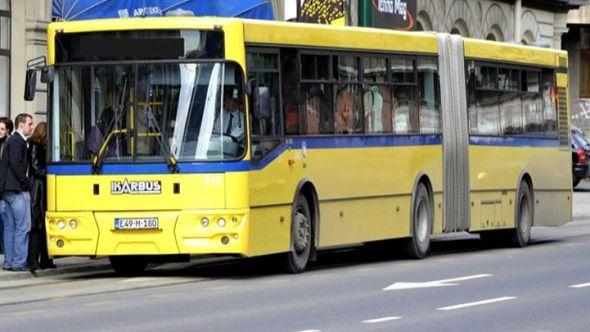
{"x":30,"y":84}
{"x":47,"y":75}
{"x":262,"y":102}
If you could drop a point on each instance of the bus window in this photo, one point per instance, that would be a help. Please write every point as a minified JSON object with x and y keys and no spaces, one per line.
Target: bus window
{"x":511,"y":113}
{"x":347,"y":110}
{"x":347,"y":116}
{"x":548,"y":84}
{"x":485,"y":77}
{"x":429,"y":96}
{"x":532,"y":105}
{"x":484,"y":113}
{"x":402,"y":70}
{"x":315,"y":67}
{"x":405,"y":119}
{"x":374,"y":70}
{"x":289,"y":92}
{"x":530,"y":81}
{"x":317,"y":107}
{"x":263,"y":67}
{"x":377,"y":96}
{"x":508,"y":79}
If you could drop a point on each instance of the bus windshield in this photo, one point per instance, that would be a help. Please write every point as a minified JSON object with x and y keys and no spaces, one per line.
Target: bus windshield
{"x":148,"y":112}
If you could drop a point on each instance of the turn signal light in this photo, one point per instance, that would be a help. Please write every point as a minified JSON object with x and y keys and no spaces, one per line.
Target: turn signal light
{"x":581,"y":156}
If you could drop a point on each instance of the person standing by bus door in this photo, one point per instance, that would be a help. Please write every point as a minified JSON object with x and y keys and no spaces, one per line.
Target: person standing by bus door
{"x":6,"y":128}
{"x":38,"y":257}
{"x":15,"y":186}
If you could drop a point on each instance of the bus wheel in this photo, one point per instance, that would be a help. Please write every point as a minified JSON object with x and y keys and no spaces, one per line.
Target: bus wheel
{"x":301,"y":237}
{"x":128,"y":265}
{"x":524,"y":217}
{"x":419,"y":243}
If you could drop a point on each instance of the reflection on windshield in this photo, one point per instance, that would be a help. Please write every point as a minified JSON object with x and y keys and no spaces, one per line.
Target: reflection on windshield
{"x":148,"y":112}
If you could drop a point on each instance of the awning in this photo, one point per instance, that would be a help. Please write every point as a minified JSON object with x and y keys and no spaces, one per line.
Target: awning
{"x":72,"y":10}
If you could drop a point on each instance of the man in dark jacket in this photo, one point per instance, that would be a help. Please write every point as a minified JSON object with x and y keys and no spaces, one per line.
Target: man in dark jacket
{"x":15,"y":187}
{"x":6,"y":128}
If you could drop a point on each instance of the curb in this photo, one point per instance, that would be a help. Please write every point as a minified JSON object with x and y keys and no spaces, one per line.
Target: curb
{"x":67,"y":269}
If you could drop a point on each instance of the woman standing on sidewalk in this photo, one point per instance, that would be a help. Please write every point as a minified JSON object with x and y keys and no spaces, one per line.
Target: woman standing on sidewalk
{"x":38,"y":173}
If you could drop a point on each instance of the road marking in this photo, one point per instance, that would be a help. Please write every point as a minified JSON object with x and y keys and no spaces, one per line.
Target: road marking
{"x":380,"y":320}
{"x":437,"y":283}
{"x":28,"y":313}
{"x":472,"y":304}
{"x":219,"y":288}
{"x":98,"y":304}
{"x":140,"y":279}
{"x":162,"y":295}
{"x":580,"y":285}
{"x":310,"y":331}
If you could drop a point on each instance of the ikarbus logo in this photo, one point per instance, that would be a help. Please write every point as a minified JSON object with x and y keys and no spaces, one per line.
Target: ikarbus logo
{"x":136,"y":187}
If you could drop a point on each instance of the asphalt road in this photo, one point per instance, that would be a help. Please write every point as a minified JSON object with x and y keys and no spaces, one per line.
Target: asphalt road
{"x":461,"y":285}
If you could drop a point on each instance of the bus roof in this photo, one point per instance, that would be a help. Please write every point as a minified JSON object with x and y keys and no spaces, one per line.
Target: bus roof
{"x":258,"y":32}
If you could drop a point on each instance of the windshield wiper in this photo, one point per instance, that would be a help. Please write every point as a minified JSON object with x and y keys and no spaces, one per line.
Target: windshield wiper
{"x":170,"y":159}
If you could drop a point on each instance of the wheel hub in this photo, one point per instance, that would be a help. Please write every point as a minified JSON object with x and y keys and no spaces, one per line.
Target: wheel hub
{"x":301,"y":231}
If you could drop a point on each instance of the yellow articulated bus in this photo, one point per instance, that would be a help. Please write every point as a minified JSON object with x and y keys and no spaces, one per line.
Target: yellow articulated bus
{"x":180,"y":135}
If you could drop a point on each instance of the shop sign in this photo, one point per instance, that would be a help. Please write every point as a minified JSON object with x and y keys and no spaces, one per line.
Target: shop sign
{"x":394,"y":14}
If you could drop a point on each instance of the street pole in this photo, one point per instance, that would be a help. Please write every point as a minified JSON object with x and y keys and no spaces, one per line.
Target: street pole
{"x":517,"y":23}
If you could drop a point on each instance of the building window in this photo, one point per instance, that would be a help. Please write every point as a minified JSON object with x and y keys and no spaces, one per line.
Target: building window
{"x":460,"y":28}
{"x":4,"y":57}
{"x":585,"y":74}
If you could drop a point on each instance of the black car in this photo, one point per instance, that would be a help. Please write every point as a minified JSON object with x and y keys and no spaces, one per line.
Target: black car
{"x":580,"y":157}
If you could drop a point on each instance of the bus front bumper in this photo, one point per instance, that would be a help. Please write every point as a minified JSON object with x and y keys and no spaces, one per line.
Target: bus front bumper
{"x":147,"y":233}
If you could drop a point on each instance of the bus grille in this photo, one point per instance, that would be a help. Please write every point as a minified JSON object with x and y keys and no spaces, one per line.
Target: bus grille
{"x":562,"y":119}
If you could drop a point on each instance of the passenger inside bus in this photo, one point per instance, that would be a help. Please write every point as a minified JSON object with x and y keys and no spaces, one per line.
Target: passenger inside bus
{"x":108,"y":120}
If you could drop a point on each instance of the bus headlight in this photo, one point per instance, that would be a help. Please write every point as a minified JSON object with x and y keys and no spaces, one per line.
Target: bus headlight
{"x":61,"y":224}
{"x":221,"y":222}
{"x":204,"y":222}
{"x":73,"y":223}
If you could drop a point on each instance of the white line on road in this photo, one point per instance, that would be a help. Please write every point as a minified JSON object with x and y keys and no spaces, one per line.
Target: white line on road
{"x":380,"y":320}
{"x":580,"y":285}
{"x":436,"y":283}
{"x":477,"y":276}
{"x":472,"y":304}
{"x":139,"y":279}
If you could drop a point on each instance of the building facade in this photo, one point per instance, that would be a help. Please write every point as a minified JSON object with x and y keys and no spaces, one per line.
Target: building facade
{"x":532,"y":22}
{"x":23,"y":26}
{"x":577,"y":43}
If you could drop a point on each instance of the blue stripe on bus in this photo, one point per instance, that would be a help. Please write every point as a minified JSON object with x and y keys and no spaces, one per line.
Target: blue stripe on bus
{"x":331,"y":142}
{"x":242,"y":166}
{"x":297,"y":143}
{"x":514,"y":141}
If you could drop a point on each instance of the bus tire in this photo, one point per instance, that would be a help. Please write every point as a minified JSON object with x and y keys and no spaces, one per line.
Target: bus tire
{"x":128,"y":265}
{"x":523,"y":217}
{"x":301,"y":237}
{"x":422,"y":214}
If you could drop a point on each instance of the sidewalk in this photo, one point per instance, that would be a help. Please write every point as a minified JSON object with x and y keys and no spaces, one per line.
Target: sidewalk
{"x":64,"y":265}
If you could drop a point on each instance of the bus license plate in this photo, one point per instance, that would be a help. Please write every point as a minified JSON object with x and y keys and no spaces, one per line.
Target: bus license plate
{"x":136,"y":223}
